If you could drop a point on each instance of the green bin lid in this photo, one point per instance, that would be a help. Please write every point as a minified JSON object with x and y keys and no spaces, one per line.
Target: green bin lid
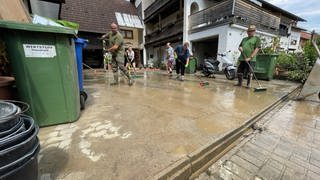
{"x":35,"y":27}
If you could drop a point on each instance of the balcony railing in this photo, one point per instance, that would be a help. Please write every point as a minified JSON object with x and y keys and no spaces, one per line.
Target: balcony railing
{"x":250,"y":14}
{"x":211,"y":16}
{"x":241,"y":12}
{"x":168,"y":31}
{"x":152,"y":9}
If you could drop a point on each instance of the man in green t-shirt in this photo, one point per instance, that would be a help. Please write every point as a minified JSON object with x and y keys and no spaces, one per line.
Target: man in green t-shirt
{"x":115,"y":41}
{"x":249,"y":47}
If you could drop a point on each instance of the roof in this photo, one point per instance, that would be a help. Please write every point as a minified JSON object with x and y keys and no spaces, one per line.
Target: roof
{"x":272,"y":7}
{"x":128,"y":20}
{"x":305,"y":35}
{"x":96,"y":15}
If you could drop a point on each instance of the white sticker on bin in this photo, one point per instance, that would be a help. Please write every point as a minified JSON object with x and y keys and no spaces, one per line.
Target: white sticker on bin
{"x":39,"y":50}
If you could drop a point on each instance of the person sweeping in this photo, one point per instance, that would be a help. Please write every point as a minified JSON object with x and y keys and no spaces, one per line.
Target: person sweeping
{"x":249,"y":47}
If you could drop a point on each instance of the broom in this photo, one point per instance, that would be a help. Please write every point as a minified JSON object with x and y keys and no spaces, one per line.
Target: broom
{"x":202,"y":83}
{"x":256,"y":89}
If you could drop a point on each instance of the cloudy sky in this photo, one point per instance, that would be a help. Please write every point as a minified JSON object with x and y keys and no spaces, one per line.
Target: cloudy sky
{"x":307,"y":9}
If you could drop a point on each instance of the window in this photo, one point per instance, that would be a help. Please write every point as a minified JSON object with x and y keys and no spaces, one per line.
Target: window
{"x":194,"y":8}
{"x":127,"y":34}
{"x":293,"y":42}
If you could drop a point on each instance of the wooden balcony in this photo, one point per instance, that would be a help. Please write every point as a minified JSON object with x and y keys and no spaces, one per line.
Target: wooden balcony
{"x":238,"y":12}
{"x":154,"y":7}
{"x":171,"y":30}
{"x":212,"y":16}
{"x":245,"y":14}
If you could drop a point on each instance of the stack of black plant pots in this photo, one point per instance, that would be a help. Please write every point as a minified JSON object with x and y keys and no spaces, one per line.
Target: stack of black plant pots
{"x":19,"y":144}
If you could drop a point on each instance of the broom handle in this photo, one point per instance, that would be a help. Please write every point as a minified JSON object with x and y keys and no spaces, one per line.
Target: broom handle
{"x":251,"y":69}
{"x":254,"y":75}
{"x":88,"y":66}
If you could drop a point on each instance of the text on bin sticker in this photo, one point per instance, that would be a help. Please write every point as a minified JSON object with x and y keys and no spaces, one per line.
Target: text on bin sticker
{"x":39,"y":50}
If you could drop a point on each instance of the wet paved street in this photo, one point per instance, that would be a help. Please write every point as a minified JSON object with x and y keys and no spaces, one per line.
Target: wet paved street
{"x":288,"y":148}
{"x":136,"y":132}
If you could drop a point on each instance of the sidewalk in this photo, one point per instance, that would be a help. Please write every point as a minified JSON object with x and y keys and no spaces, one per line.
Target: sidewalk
{"x":287,"y":148}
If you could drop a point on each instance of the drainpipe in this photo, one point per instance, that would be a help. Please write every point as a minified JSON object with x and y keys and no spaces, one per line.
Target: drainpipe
{"x":185,"y":21}
{"x":233,"y":6}
{"x":60,"y":7}
{"x":144,"y":51}
{"x":159,"y":18}
{"x":29,"y":6}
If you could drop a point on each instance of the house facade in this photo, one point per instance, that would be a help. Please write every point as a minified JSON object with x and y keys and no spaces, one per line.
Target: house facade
{"x":217,"y":26}
{"x":163,"y":20}
{"x":94,"y":18}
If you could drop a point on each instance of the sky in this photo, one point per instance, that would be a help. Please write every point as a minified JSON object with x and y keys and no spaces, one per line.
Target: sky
{"x":306,"y":9}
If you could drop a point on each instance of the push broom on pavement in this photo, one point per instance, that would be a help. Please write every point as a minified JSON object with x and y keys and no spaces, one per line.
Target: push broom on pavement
{"x":256,"y":89}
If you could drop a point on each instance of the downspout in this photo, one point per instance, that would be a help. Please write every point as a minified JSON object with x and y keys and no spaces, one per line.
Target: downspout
{"x":29,"y":6}
{"x":60,"y":7}
{"x":233,"y":6}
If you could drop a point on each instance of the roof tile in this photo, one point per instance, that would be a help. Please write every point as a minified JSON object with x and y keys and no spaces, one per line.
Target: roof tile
{"x":95,"y":15}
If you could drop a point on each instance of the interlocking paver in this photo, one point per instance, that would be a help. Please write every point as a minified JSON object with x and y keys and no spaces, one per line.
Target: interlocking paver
{"x":290,"y":174}
{"x":269,"y":172}
{"x":288,"y":149}
{"x":249,"y":158}
{"x":312,"y":175}
{"x":244,"y":164}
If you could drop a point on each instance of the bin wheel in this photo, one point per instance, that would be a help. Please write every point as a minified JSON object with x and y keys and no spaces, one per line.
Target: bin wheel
{"x":82,"y":102}
{"x":84,"y":94}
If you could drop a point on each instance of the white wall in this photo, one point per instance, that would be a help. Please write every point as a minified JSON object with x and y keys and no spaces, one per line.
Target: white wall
{"x":229,"y":38}
{"x":217,"y":31}
{"x":145,"y":4}
{"x":187,"y":7}
{"x":285,"y":42}
{"x":46,"y":9}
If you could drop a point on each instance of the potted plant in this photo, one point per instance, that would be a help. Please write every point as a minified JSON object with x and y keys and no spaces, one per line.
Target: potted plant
{"x":285,"y":63}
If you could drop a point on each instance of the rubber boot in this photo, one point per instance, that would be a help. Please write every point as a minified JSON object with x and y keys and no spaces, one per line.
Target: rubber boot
{"x":115,"y":79}
{"x":130,"y":83}
{"x":249,"y":80}
{"x":240,"y":78}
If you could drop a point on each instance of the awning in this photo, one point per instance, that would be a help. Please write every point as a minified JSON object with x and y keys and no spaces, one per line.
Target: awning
{"x":128,"y":20}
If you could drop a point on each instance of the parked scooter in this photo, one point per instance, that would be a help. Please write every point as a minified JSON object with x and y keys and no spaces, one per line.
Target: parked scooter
{"x":211,"y":66}
{"x":228,"y":66}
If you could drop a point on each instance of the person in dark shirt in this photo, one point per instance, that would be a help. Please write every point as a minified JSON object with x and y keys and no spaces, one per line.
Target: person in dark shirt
{"x":182,"y":60}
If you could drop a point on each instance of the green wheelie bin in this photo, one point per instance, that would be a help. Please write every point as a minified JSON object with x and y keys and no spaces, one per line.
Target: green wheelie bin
{"x":191,"y":68}
{"x":265,"y":66}
{"x":43,"y":63}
